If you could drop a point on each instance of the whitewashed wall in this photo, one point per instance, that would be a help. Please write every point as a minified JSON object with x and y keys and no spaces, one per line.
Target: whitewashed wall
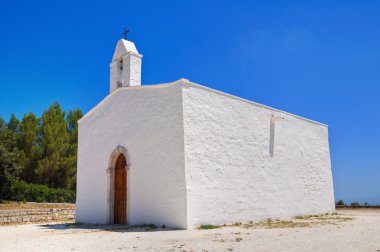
{"x":199,"y":156}
{"x":230,"y":173}
{"x":147,"y":121}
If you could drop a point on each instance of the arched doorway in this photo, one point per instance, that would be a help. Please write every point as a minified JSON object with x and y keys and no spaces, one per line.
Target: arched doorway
{"x":120,"y":190}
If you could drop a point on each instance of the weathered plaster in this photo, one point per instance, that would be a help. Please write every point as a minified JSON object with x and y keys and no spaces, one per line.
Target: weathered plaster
{"x":231,"y":175}
{"x":197,"y":155}
{"x":147,"y":122}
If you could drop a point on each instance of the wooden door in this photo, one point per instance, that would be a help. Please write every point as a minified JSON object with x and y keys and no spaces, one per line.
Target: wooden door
{"x":120,"y":199}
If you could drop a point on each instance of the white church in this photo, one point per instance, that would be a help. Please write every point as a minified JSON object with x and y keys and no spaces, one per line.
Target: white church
{"x":181,"y":155}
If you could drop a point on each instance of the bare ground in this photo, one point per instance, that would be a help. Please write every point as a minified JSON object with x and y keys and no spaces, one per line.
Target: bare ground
{"x":30,"y":205}
{"x":349,"y":230}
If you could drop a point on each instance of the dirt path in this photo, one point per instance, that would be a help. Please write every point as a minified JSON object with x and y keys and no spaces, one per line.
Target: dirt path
{"x":351,"y":230}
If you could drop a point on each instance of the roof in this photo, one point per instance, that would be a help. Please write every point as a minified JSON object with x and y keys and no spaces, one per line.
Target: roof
{"x":185,"y":82}
{"x":123,"y":46}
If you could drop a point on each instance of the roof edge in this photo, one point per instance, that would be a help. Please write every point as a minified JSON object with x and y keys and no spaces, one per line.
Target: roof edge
{"x":192,"y":84}
{"x":185,"y":82}
{"x":119,"y":89}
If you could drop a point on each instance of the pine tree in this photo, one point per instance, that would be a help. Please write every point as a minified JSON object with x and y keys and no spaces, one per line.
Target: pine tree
{"x":13,"y":124}
{"x":28,"y":144}
{"x":54,"y":145}
{"x":9,"y":159}
{"x":8,"y":138}
{"x":9,"y":169}
{"x":72,"y":126}
{"x":42,"y":151}
{"x":4,"y":139}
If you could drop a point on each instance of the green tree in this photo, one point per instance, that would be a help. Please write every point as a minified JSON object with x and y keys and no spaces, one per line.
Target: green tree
{"x":8,"y":138}
{"x":355,"y":204}
{"x":72,"y":126}
{"x":9,"y":159}
{"x":42,"y":151}
{"x":13,"y":124}
{"x":9,"y":169}
{"x":54,"y":145}
{"x":67,"y":173}
{"x":340,"y":203}
{"x":28,"y":145}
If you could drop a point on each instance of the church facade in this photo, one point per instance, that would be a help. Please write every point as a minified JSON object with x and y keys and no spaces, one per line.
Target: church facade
{"x":181,"y":155}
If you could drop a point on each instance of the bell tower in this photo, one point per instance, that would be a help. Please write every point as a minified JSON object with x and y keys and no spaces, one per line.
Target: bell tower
{"x":125,"y":68}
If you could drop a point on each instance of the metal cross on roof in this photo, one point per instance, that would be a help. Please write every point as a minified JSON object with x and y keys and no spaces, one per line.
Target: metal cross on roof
{"x":125,"y":33}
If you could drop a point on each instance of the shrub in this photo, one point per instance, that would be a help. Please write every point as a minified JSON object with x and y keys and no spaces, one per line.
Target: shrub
{"x":355,"y":204}
{"x":340,"y":203}
{"x":22,"y":191}
{"x":207,"y":226}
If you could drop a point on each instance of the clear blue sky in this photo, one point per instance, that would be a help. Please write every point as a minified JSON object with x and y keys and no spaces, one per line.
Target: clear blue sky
{"x":317,"y":59}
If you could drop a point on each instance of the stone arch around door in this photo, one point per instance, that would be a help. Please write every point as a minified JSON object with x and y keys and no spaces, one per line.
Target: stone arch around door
{"x":119,"y":150}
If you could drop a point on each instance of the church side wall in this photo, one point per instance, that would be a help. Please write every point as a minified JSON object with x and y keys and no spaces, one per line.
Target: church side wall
{"x":148,"y":123}
{"x":246,"y":162}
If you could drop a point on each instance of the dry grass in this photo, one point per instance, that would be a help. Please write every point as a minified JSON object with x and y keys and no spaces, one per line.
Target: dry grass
{"x":207,"y":226}
{"x":297,"y":222}
{"x":324,"y":219}
{"x":281,"y":224}
{"x":31,"y":205}
{"x":269,"y":223}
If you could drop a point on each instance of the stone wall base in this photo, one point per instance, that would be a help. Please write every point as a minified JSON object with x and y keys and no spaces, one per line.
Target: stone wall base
{"x":36,"y":215}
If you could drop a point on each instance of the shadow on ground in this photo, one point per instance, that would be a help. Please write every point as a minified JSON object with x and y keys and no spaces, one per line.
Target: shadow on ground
{"x":105,"y":227}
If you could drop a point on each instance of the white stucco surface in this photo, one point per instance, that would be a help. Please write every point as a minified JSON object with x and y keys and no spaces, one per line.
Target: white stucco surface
{"x":125,"y":68}
{"x":199,"y":156}
{"x":231,"y":175}
{"x":196,"y":155}
{"x":148,"y":123}
{"x":122,"y":47}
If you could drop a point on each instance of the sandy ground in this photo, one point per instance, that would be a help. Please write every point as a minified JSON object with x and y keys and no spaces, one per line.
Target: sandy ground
{"x":350,"y":230}
{"x":31,"y":205}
